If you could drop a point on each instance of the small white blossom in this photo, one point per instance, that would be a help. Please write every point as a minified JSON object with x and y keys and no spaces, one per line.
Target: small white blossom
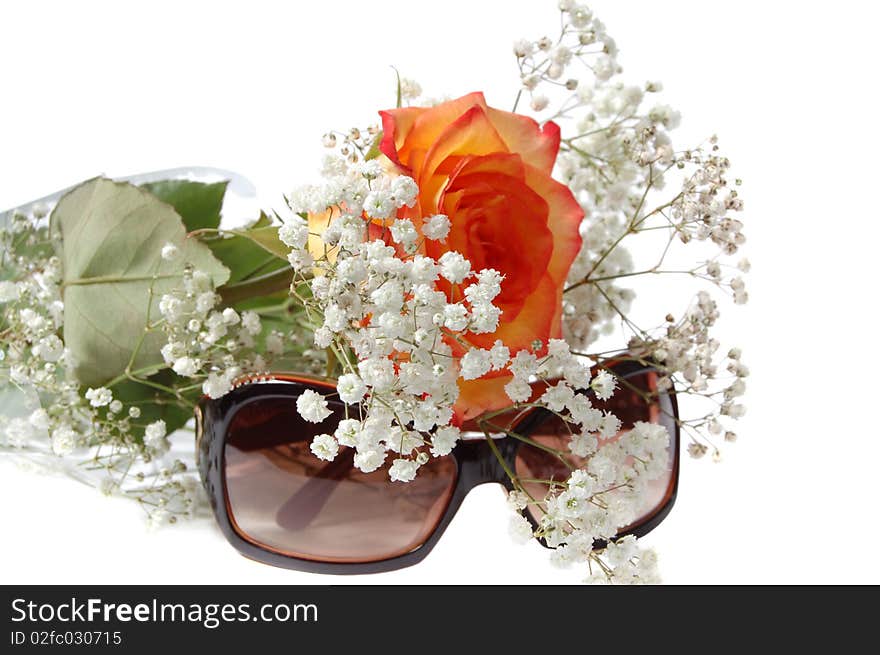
{"x":348,"y":432}
{"x":484,"y":317}
{"x":404,"y":232}
{"x":444,"y":440}
{"x":499,"y":355}
{"x":404,"y":191}
{"x":187,"y":366}
{"x":409,"y":89}
{"x":524,"y":364}
{"x":324,"y":447}
{"x":604,"y":384}
{"x":379,"y":204}
{"x":610,"y":426}
{"x":403,"y":470}
{"x":455,"y":317}
{"x":99,"y":397}
{"x":335,"y":318}
{"x":230,"y":316}
{"x":517,"y":500}
{"x":294,"y":233}
{"x":520,"y":529}
{"x":370,"y":169}
{"x":275,"y":343}
{"x":154,"y":436}
{"x":436,"y":227}
{"x":475,"y":363}
{"x":523,"y":48}
{"x":518,"y":390}
{"x":454,"y":267}
{"x":312,"y":406}
{"x":377,"y":373}
{"x":64,"y":440}
{"x":49,"y":348}
{"x":369,"y":460}
{"x":351,"y":388}
{"x":216,"y":385}
{"x":250,"y":321}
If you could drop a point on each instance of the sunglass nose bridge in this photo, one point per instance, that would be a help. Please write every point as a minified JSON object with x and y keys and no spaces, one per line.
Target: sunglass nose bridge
{"x":480,"y":463}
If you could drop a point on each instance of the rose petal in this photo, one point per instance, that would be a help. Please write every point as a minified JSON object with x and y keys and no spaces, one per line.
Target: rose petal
{"x":564,"y":222}
{"x":536,"y":145}
{"x":471,"y":134}
{"x":396,"y":125}
{"x":480,"y":396}
{"x":499,"y":223}
{"x":423,"y":124}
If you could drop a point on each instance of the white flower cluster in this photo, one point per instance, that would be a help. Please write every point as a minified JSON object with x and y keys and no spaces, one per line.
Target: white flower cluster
{"x":546,"y":62}
{"x":352,"y":146}
{"x":215,"y":346}
{"x":377,"y":304}
{"x":57,"y":425}
{"x":617,"y":158}
{"x":399,"y":328}
{"x":598,"y":499}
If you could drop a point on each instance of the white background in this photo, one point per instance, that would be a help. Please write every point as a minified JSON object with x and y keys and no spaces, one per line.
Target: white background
{"x":108,"y":88}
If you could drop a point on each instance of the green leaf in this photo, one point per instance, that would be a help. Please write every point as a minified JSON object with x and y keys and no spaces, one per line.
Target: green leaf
{"x":243,"y":258}
{"x":267,"y":238}
{"x":270,"y":283}
{"x":399,"y":88}
{"x":250,"y":252}
{"x":197,"y":203}
{"x":154,"y":404}
{"x":374,"y":151}
{"x":112,"y":236}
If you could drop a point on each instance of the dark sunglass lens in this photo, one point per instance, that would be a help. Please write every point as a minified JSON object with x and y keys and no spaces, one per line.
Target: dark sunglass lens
{"x":283,"y":498}
{"x":635,"y":400}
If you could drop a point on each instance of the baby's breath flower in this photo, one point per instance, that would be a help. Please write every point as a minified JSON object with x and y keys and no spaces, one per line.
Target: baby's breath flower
{"x":64,"y":440}
{"x":100,"y":397}
{"x":154,"y":436}
{"x":368,"y":460}
{"x":409,"y":89}
{"x":454,"y":267}
{"x":603,"y":385}
{"x":217,"y":385}
{"x":351,"y":388}
{"x":403,"y":470}
{"x":324,"y":447}
{"x":520,"y":529}
{"x":475,"y":363}
{"x":312,"y":406}
{"x":294,"y":233}
{"x":436,"y":227}
{"x":444,"y":440}
{"x":404,"y":191}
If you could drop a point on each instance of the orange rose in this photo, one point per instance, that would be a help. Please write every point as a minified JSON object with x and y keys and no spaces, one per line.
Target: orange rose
{"x":489,"y":172}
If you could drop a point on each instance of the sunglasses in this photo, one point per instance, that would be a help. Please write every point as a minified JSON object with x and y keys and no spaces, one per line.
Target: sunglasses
{"x":277,"y":503}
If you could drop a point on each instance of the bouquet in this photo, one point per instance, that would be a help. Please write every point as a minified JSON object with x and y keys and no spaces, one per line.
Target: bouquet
{"x":450,"y":276}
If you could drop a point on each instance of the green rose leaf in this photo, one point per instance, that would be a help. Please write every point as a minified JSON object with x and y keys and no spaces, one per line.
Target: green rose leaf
{"x":266,"y":237}
{"x":249,"y":252}
{"x":112,"y":235}
{"x":197,"y":203}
